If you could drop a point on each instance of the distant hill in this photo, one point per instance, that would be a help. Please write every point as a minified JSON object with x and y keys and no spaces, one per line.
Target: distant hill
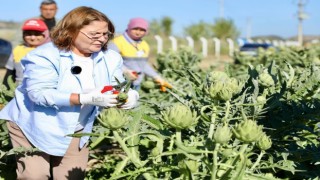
{"x":11,"y":31}
{"x":269,"y":37}
{"x":9,"y":24}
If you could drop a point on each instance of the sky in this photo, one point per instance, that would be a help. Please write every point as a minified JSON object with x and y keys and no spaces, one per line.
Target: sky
{"x":251,"y":17}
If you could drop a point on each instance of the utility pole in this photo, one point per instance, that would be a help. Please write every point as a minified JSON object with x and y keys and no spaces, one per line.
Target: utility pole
{"x":221,"y":9}
{"x":248,"y":29}
{"x":301,"y":16}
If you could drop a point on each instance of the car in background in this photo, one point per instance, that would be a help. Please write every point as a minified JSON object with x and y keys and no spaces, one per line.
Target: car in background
{"x":252,"y":49}
{"x":5,"y":51}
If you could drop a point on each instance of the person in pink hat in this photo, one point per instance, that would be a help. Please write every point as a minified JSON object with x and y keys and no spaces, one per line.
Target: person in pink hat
{"x":135,"y":53}
{"x":34,"y":33}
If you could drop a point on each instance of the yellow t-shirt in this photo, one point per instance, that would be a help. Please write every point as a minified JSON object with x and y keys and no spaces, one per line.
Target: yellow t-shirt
{"x":128,"y":50}
{"x":20,"y":51}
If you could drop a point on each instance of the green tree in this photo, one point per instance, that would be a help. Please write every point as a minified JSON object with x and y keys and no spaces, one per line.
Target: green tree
{"x":198,"y":30}
{"x":166,"y":23}
{"x":161,"y":27}
{"x":155,"y":27}
{"x":224,"y":28}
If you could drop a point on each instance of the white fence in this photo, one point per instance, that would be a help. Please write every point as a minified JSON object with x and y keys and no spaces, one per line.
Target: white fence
{"x":217,"y":44}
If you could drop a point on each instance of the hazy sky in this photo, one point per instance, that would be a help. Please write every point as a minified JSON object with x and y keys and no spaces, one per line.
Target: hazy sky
{"x":253,"y":17}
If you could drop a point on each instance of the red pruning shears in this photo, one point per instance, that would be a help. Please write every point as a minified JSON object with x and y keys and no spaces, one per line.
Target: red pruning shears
{"x":116,"y":88}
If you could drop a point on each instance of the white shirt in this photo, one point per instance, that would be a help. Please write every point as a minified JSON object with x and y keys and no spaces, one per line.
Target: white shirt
{"x":87,"y":81}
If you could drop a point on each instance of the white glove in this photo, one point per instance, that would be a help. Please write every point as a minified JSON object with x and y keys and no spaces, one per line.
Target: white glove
{"x":98,"y":99}
{"x":132,"y":101}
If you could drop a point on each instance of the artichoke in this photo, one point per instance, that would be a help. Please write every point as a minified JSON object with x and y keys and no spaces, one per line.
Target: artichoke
{"x":214,"y":88}
{"x":180,"y":116}
{"x":248,"y":131}
{"x":233,"y":85}
{"x":147,"y":85}
{"x":265,"y":79}
{"x":225,"y":94}
{"x":113,"y":118}
{"x":216,"y":76}
{"x":264,"y":142}
{"x":122,"y":97}
{"x":222,"y":135}
{"x":261,"y":100}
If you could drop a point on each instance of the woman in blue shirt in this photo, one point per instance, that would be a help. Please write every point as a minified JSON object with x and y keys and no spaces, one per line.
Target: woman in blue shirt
{"x":61,"y":94}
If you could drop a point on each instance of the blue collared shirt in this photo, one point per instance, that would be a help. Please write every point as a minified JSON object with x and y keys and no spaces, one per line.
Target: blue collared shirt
{"x":41,"y":106}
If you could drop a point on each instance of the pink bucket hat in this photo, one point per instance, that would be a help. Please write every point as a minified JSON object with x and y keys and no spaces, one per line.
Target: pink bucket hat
{"x":138,"y":23}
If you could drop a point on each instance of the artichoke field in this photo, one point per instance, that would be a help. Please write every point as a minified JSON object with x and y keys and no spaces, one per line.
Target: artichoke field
{"x":257,"y":119}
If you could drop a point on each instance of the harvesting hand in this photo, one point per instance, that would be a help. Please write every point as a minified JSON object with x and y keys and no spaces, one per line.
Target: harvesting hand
{"x":163,"y":84}
{"x":130,"y":74}
{"x":96,"y":98}
{"x":132,"y":101}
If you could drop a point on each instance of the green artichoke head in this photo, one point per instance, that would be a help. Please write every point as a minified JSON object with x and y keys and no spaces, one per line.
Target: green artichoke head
{"x":214,"y":88}
{"x":264,"y":142}
{"x":225,"y":94}
{"x":180,"y":116}
{"x":248,"y":131}
{"x":216,"y":76}
{"x":222,"y":134}
{"x":265,"y":79}
{"x":113,"y":118}
{"x":148,"y":85}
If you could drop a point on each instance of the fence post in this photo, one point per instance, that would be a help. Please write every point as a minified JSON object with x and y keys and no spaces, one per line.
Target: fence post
{"x":259,"y":41}
{"x":231,"y":46}
{"x":190,"y":42}
{"x":173,"y":43}
{"x":159,"y":43}
{"x":217,"y":47}
{"x":275,"y":42}
{"x":204,"y":46}
{"x":267,"y":41}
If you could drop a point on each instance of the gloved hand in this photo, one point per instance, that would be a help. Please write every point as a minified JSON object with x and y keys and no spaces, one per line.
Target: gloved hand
{"x":130,"y":74}
{"x":96,"y":98}
{"x":163,"y":84}
{"x":132,"y":101}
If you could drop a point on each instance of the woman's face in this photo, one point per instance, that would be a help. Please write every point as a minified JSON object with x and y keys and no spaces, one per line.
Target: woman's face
{"x":33,"y":38}
{"x":136,"y":33}
{"x":91,"y":38}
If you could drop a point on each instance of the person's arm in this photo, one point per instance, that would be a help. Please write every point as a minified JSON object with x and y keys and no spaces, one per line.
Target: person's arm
{"x":74,"y":99}
{"x":10,"y":71}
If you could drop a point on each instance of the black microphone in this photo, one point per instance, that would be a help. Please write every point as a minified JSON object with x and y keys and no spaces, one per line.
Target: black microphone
{"x":76,"y":69}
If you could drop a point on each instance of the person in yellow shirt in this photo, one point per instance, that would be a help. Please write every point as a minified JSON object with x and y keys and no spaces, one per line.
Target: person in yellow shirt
{"x":34,"y":33}
{"x":135,"y":53}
